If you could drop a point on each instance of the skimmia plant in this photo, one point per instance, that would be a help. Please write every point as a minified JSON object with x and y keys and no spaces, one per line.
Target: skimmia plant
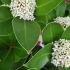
{"x":34,"y":34}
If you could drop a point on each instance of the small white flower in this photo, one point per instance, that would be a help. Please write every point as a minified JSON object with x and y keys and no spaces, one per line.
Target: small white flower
{"x":64,"y":21}
{"x":23,"y":8}
{"x":61,"y":53}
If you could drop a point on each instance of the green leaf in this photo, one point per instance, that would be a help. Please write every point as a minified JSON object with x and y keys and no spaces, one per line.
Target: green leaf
{"x":7,"y":60}
{"x":45,"y":6}
{"x":5,"y":32}
{"x":40,"y":58}
{"x":9,"y":55}
{"x":0,"y":2}
{"x":19,"y":53}
{"x":26,"y":33}
{"x":5,"y":14}
{"x":52,"y":32}
{"x":32,"y":69}
{"x":50,"y":66}
{"x":68,"y":10}
{"x":63,"y":68}
{"x":51,"y":15}
{"x":60,"y":10}
{"x":42,"y":21}
{"x":66,"y":34}
{"x":6,"y":1}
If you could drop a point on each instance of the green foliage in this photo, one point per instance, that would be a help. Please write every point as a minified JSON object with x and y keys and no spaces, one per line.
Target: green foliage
{"x":18,"y":38}
{"x":5,"y":14}
{"x":66,"y":34}
{"x":9,"y":55}
{"x":0,"y":2}
{"x":60,"y":10}
{"x":52,"y":32}
{"x":40,"y":58}
{"x":45,"y":6}
{"x":6,"y":1}
{"x":27,"y":33}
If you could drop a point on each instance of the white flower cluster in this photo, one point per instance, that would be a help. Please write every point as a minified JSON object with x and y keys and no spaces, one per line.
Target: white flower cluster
{"x":61,"y":53}
{"x":23,"y":8}
{"x":64,"y":21}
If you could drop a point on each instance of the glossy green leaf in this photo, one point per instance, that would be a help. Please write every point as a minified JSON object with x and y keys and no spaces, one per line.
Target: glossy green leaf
{"x":66,"y":34}
{"x":45,"y":6}
{"x":5,"y":14}
{"x":52,"y":32}
{"x":40,"y":58}
{"x":26,"y":33}
{"x":6,"y":1}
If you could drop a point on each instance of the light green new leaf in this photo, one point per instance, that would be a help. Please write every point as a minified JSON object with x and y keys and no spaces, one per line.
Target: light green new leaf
{"x":66,"y":34}
{"x":6,"y":1}
{"x":26,"y":33}
{"x":40,"y":58}
{"x":52,"y":32}
{"x":45,"y":6}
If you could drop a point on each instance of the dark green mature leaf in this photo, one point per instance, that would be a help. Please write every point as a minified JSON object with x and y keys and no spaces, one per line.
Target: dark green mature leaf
{"x":66,"y":34}
{"x":5,"y":14}
{"x":45,"y":6}
{"x":50,"y":66}
{"x":19,"y":53}
{"x":60,"y":10}
{"x":32,"y":69}
{"x":0,"y":2}
{"x":40,"y":58}
{"x":68,"y":10}
{"x":6,"y":1}
{"x":7,"y":60}
{"x":42,"y":21}
{"x":52,"y":32}
{"x":26,"y":32}
{"x":10,"y":55}
{"x":63,"y":68}
{"x":6,"y":32}
{"x":23,"y":68}
{"x":51,"y":15}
